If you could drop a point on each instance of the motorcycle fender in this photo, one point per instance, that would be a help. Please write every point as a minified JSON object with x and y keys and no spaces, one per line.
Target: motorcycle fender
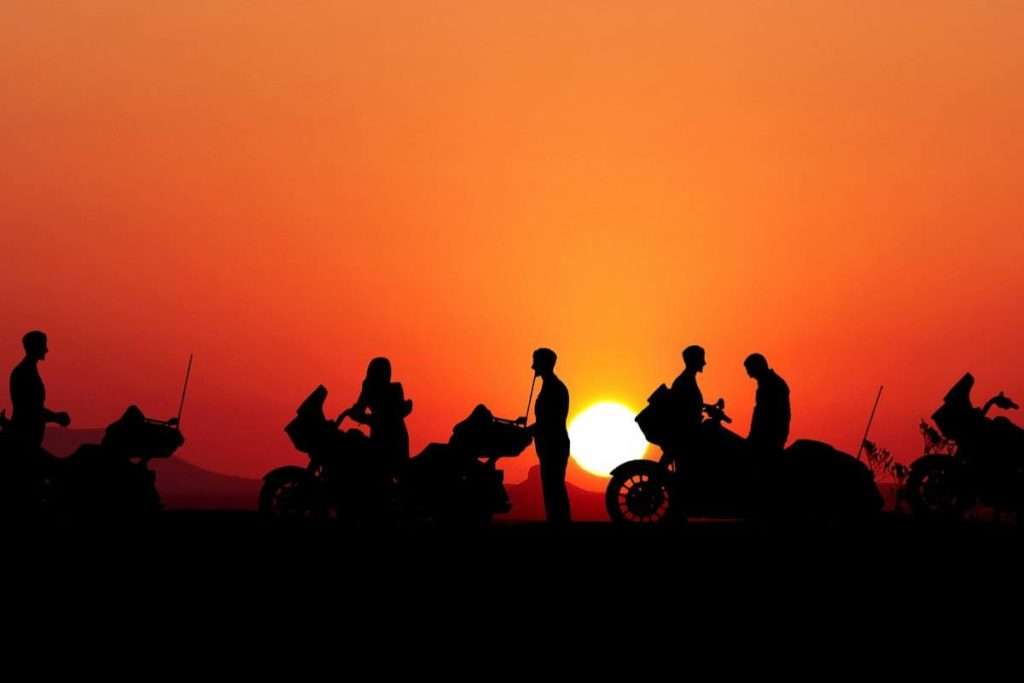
{"x":928,"y":460}
{"x":650,"y":466}
{"x":286,"y":472}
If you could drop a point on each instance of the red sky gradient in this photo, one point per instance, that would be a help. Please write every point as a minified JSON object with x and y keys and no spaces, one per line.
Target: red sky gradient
{"x":288,"y":189}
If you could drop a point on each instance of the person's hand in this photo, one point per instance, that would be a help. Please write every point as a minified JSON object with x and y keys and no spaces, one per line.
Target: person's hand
{"x":341,"y":417}
{"x":63,"y":419}
{"x":521,"y":421}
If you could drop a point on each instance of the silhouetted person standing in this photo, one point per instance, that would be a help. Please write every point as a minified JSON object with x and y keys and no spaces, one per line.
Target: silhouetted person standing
{"x":551,"y":436}
{"x":769,"y":426}
{"x":28,"y":397}
{"x":383,"y":407}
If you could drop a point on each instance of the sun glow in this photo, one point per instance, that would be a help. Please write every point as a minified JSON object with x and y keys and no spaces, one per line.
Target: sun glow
{"x":604,"y":436}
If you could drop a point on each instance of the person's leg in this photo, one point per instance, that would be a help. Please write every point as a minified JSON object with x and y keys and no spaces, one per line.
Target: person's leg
{"x":552,"y":479}
{"x":547,"y":475}
{"x":556,"y":495}
{"x":565,"y":511}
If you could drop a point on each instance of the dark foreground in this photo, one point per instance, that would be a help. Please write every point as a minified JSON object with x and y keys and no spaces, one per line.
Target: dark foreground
{"x":205,"y":540}
{"x":211,"y":576}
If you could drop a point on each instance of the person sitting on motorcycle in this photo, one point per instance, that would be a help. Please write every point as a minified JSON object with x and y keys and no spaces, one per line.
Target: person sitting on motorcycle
{"x":28,"y":398}
{"x":687,"y":400}
{"x":383,"y":407}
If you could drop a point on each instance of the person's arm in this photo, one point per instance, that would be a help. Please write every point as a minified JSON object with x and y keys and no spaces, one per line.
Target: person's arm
{"x":404,"y":404}
{"x":61,"y":418}
{"x":358,"y":414}
{"x":358,"y":411}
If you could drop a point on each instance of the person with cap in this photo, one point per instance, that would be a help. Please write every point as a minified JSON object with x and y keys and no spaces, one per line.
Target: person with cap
{"x":28,"y":397}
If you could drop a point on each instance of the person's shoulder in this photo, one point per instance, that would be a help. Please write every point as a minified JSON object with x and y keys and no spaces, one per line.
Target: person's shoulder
{"x":20,"y":370}
{"x":780,"y":382}
{"x":555,"y":387}
{"x":685,"y":379}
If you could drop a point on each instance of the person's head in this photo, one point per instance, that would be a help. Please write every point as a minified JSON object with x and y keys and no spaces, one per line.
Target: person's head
{"x":693,"y":358}
{"x":756,"y":365}
{"x":378,"y":372}
{"x":35,"y":345}
{"x":544,"y":361}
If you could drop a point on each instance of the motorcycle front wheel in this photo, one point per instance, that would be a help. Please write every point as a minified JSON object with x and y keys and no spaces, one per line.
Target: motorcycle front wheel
{"x":292,"y":495}
{"x":935,"y":488}
{"x":639,"y":492}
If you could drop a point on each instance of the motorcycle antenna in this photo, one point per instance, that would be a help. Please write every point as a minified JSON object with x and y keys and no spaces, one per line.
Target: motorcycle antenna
{"x":181,"y":405}
{"x":871,"y":419}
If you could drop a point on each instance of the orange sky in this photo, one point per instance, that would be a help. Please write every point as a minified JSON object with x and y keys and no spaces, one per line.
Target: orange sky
{"x":288,"y":189}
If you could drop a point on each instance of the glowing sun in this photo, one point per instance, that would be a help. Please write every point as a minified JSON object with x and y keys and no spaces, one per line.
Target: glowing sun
{"x":604,"y":436}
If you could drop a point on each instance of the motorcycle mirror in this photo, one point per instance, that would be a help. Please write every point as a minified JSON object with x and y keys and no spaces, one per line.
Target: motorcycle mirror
{"x":1005,"y":403}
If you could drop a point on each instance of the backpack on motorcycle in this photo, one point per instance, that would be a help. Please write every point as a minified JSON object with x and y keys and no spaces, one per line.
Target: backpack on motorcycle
{"x":655,"y":419}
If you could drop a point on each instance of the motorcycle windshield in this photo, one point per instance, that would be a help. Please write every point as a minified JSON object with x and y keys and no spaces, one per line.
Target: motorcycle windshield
{"x":961,"y":391}
{"x":953,"y":416}
{"x":314,"y":403}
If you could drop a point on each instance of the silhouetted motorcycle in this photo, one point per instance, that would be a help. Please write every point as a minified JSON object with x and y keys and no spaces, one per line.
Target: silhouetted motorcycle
{"x":456,"y":483}
{"x":108,"y":479}
{"x":715,"y":474}
{"x":28,"y":481}
{"x":975,"y":459}
{"x":113,"y":479}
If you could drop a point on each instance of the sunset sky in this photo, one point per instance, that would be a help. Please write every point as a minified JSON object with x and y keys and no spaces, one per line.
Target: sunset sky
{"x":288,"y":189}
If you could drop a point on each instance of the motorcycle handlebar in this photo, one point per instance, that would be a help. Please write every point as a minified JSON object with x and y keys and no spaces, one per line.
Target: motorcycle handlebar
{"x":716,"y":411}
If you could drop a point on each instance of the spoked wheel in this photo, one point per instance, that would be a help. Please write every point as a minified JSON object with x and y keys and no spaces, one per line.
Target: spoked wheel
{"x":935,"y":490}
{"x":639,"y":493}
{"x":294,"y":497}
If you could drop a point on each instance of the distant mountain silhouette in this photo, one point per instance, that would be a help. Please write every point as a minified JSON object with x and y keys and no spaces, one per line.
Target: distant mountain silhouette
{"x":528,"y":503}
{"x":180,"y":483}
{"x":63,"y":442}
